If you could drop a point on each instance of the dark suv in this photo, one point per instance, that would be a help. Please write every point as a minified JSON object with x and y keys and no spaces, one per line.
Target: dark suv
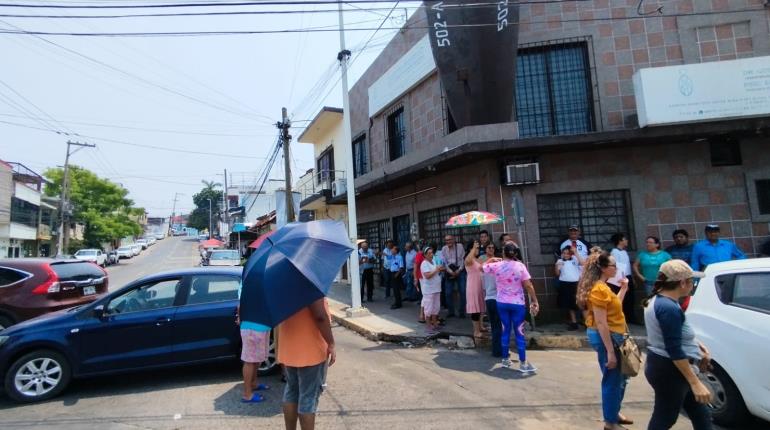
{"x":30,"y":287}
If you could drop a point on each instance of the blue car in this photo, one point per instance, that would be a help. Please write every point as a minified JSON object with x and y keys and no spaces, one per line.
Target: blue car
{"x":167,"y":319}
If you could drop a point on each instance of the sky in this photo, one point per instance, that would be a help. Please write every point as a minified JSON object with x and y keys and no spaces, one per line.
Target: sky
{"x":168,"y":112}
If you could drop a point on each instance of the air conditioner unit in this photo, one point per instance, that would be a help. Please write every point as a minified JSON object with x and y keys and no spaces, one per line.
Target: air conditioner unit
{"x":339,"y":188}
{"x":520,"y":174}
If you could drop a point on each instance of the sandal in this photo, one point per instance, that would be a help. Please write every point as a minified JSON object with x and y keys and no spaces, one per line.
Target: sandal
{"x":255,"y":398}
{"x":421,"y":321}
{"x":261,"y":387}
{"x":624,"y":420}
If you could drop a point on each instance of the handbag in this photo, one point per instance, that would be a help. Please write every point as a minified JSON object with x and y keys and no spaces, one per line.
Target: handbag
{"x":630,"y":356}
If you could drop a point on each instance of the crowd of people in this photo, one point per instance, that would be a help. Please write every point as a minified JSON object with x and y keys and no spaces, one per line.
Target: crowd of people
{"x":595,"y":287}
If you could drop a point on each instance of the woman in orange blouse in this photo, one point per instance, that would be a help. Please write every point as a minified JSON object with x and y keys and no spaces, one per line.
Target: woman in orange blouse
{"x":606,"y":327}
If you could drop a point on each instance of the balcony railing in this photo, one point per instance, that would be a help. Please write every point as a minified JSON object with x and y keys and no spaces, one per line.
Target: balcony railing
{"x":319,"y":182}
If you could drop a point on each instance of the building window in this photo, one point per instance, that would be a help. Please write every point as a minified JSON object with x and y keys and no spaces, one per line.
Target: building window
{"x":763,"y":196}
{"x":375,"y":233}
{"x":325,"y":169}
{"x":449,"y":121}
{"x":600,"y":214}
{"x":553,"y":90}
{"x":433,"y":224}
{"x":360,"y":156}
{"x":23,"y":212}
{"x":306,"y":215}
{"x":397,"y":133}
{"x":725,"y":152}
{"x":401,"y":230}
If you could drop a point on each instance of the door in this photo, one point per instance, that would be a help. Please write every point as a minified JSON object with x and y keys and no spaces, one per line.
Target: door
{"x":401,"y":226}
{"x":136,"y":329}
{"x":205,"y":326}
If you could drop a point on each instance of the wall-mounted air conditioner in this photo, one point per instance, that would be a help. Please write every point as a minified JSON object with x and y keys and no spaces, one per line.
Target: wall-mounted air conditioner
{"x":339,"y":188}
{"x":521,"y":174}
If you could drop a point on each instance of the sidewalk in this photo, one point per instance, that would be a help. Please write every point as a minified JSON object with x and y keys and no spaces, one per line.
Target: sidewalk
{"x":400,"y":325}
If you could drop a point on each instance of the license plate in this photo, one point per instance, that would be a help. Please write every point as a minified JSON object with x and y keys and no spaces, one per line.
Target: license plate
{"x":87,"y":291}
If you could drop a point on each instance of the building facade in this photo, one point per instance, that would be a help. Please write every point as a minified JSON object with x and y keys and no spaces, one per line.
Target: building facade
{"x":576,"y":153}
{"x":27,"y":218}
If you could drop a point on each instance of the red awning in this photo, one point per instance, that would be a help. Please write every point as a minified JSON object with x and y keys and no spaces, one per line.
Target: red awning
{"x":260,"y":239}
{"x":211,"y":243}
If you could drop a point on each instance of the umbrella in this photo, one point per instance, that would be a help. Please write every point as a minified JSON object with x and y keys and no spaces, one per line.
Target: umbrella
{"x":211,"y":243}
{"x":292,"y":268}
{"x":260,"y":239}
{"x":474,"y":218}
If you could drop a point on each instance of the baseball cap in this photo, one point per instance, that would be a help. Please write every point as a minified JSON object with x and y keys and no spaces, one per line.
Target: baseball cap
{"x":574,"y":227}
{"x":678,"y":270}
{"x":712,"y":227}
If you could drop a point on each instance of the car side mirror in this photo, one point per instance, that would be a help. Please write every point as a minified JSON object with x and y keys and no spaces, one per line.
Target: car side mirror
{"x":99,"y":312}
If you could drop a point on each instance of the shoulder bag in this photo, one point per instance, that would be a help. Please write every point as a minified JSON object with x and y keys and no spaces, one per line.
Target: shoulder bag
{"x":630,"y":355}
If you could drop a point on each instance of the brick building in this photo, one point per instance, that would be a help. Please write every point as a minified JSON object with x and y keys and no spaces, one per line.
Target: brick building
{"x":577,"y":153}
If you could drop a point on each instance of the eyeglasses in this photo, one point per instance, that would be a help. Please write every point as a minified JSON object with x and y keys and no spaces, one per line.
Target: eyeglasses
{"x":612,"y":265}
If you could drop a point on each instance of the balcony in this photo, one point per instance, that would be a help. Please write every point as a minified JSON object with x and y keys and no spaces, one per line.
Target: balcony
{"x":44,"y":232}
{"x":322,"y":188}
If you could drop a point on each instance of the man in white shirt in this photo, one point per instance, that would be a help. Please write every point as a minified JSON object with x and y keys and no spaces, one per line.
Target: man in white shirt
{"x":574,"y":241}
{"x":452,"y":255}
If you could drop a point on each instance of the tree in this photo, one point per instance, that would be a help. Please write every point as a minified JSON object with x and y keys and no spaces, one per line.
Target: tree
{"x":199,"y":217}
{"x":101,"y":205}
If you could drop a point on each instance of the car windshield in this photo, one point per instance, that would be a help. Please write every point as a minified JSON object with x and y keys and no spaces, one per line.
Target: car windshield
{"x":85,"y":252}
{"x":224,"y":255}
{"x":124,"y":248}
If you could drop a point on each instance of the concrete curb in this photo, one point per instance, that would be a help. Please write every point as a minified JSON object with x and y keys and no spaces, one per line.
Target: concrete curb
{"x":535,"y":339}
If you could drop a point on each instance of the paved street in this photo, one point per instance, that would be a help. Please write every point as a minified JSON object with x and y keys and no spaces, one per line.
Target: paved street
{"x":372,"y":386}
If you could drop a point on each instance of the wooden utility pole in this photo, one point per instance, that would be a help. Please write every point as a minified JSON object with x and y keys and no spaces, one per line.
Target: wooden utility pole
{"x":63,"y":241}
{"x":284,"y":126}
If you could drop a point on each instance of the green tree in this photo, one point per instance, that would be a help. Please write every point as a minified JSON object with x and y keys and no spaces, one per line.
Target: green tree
{"x":101,"y":205}
{"x":199,"y":217}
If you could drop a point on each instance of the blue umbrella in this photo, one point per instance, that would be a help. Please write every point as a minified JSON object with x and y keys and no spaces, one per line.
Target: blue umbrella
{"x":291,"y":269}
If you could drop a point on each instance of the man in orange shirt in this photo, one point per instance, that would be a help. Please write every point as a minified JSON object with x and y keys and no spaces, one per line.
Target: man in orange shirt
{"x":306,"y":348}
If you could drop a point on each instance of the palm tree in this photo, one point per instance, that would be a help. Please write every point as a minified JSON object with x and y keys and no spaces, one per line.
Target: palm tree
{"x":210,"y":185}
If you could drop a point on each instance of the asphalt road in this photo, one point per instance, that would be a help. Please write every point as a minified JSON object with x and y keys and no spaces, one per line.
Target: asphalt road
{"x":167,"y":254}
{"x":372,"y":386}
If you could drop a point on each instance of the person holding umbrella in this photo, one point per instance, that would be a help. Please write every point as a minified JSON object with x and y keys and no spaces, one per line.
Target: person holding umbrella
{"x":285,"y":282}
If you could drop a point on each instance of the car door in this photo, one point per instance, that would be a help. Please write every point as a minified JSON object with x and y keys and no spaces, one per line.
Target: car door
{"x":205,"y":325}
{"x":135,"y":330}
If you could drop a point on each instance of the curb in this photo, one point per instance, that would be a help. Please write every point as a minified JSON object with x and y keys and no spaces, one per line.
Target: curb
{"x":535,"y":340}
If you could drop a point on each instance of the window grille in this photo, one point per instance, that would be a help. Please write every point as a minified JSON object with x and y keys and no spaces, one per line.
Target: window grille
{"x":360,"y":156}
{"x":433,"y":224}
{"x":553,"y":89}
{"x":375,"y":233}
{"x":401,"y":227}
{"x":600,"y":214}
{"x":397,"y":133}
{"x":325,"y":168}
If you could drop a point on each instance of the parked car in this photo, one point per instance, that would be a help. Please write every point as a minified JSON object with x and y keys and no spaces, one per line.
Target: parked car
{"x":30,"y":287}
{"x":179,"y":233}
{"x":112,"y":258}
{"x":151,"y":240}
{"x":164,"y":320}
{"x":143,"y":243}
{"x":730,"y":313}
{"x":203,"y":237}
{"x":224,"y":257}
{"x":95,"y":256}
{"x":125,"y":252}
{"x":160,"y":236}
{"x":136,"y":248}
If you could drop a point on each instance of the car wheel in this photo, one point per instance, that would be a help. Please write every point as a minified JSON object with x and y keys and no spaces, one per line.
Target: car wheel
{"x":728,"y":407}
{"x":5,"y":322}
{"x":37,"y":376}
{"x":270,"y":365}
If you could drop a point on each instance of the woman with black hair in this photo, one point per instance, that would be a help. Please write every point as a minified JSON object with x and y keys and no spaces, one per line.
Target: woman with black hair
{"x":674,"y":356}
{"x":648,"y":263}
{"x":474,"y":288}
{"x":511,"y":279}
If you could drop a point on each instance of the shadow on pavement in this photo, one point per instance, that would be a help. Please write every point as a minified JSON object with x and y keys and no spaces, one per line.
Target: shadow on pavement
{"x":472,"y":361}
{"x":230,"y":403}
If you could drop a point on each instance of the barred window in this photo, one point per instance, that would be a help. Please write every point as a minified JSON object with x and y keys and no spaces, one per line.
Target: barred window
{"x":401,"y":230}
{"x":360,"y":156}
{"x":600,"y":214}
{"x":325,"y":168}
{"x":375,"y":233}
{"x":397,"y":133}
{"x":553,"y":90}
{"x":433,"y":224}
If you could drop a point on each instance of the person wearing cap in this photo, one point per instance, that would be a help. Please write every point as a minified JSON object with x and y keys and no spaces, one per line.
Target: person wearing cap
{"x":682,"y":248}
{"x":574,"y":240}
{"x":674,"y":355}
{"x":714,"y":250}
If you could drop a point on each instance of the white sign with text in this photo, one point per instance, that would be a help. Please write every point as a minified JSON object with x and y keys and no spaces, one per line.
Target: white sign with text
{"x":703,"y":92}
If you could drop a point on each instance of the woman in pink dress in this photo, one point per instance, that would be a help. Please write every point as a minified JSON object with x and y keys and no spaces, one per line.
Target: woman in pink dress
{"x":474,"y":287}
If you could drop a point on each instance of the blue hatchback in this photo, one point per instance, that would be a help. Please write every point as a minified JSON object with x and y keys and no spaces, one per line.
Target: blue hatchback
{"x":167,"y":319}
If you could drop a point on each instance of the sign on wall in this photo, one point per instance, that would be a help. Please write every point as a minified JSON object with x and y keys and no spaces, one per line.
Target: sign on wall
{"x":703,"y":92}
{"x":405,"y":74}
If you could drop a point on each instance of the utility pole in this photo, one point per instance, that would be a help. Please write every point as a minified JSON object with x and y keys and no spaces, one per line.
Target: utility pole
{"x":173,"y":211}
{"x":284,"y":126}
{"x":211,"y":231}
{"x":225,"y":207}
{"x":63,"y":240}
{"x":347,"y":144}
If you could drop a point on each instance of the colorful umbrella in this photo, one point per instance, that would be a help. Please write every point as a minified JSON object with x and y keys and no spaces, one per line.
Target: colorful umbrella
{"x":474,"y":218}
{"x":261,"y":239}
{"x":211,"y":243}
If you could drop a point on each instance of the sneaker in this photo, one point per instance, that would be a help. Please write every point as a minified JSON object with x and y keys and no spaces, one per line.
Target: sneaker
{"x":527,"y":367}
{"x":506,"y":363}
